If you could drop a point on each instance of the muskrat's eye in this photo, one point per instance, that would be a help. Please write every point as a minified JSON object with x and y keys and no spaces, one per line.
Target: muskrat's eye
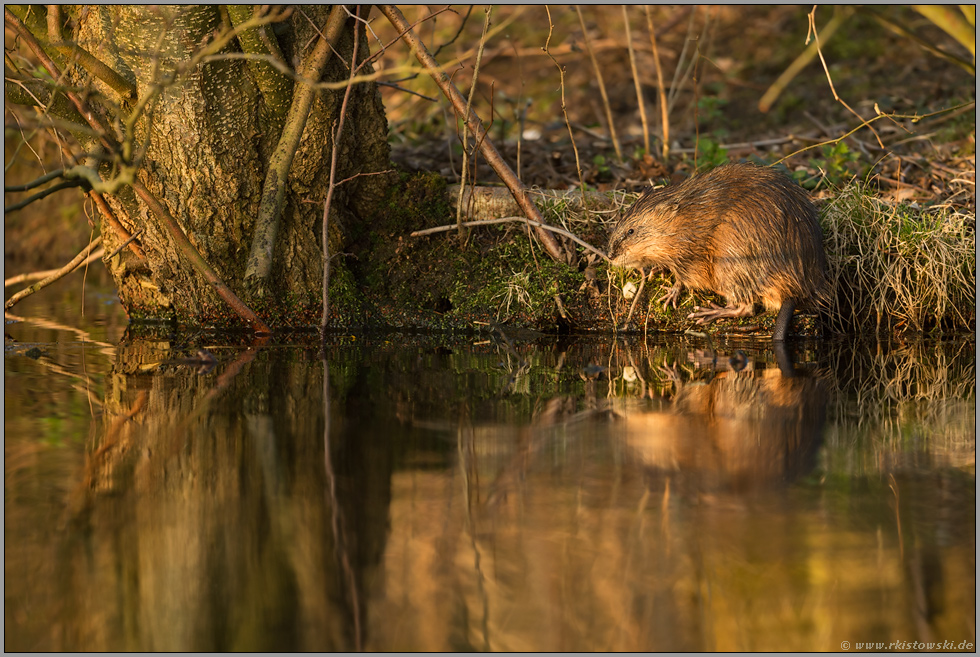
{"x":630,"y":232}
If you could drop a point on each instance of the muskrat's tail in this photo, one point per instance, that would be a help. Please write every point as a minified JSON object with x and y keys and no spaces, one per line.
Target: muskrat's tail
{"x":783,"y":319}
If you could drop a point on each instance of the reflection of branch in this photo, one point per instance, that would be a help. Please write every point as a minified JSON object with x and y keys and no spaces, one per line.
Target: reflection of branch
{"x":84,"y":336}
{"x":336,"y":512}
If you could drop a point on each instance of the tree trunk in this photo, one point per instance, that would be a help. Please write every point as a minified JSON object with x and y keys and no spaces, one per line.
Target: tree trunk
{"x":208,"y":140}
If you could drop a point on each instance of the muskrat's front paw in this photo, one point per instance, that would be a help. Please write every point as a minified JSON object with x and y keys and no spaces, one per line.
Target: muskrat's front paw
{"x":671,"y":296}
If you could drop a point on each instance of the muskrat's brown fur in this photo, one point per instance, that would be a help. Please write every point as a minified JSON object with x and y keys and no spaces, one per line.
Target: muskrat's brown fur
{"x":746,"y":232}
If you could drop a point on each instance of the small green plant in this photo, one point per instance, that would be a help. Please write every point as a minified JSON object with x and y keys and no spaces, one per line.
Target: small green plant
{"x":711,"y":154}
{"x":603,"y":172}
{"x":710,"y":109}
{"x":833,"y":169}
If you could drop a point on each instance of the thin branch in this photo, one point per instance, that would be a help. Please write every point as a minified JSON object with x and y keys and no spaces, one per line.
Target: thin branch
{"x":564,"y":108}
{"x":98,"y":68}
{"x":466,"y":131}
{"x":382,"y":83}
{"x":504,"y":220}
{"x":636,"y":82}
{"x":816,"y":38}
{"x":489,"y":151}
{"x":18,"y":28}
{"x":64,"y":184}
{"x":399,"y":36}
{"x":116,"y":226}
{"x":40,"y":275}
{"x":864,"y":123}
{"x":664,"y":113}
{"x":364,"y":173}
{"x":462,"y":24}
{"x":125,"y":244}
{"x":58,"y":274}
{"x":260,"y":257}
{"x":602,"y":86}
{"x":804,"y":58}
{"x":48,"y":177}
{"x":326,"y":203}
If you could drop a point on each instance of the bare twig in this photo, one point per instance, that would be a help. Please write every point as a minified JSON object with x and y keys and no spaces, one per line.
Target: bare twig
{"x":19,"y":29}
{"x":58,"y":274}
{"x":777,"y":88}
{"x":114,"y":224}
{"x":122,"y":246}
{"x":636,"y":82}
{"x":37,"y":182}
{"x":486,"y":146}
{"x":664,"y":120}
{"x":64,"y":184}
{"x":326,"y":203}
{"x":816,"y":38}
{"x":504,"y":220}
{"x":462,"y":24}
{"x":260,"y":258}
{"x":602,"y":86}
{"x":40,"y":275}
{"x":636,"y":298}
{"x":466,"y":131}
{"x":564,"y":110}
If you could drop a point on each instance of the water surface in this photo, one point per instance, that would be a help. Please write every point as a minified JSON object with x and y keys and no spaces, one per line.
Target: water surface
{"x":480,"y":493}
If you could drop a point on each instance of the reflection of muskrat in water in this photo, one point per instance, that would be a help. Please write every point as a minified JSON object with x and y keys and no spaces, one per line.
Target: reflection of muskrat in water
{"x":746,"y":232}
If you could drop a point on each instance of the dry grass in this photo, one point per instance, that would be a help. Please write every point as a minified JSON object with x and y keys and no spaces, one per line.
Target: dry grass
{"x":899,"y":266}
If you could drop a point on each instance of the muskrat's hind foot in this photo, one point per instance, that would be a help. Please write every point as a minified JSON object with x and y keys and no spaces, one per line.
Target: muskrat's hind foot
{"x":671,"y":296}
{"x":704,"y":315}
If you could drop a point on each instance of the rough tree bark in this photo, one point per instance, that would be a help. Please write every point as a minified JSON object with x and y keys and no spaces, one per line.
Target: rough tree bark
{"x":208,"y":142}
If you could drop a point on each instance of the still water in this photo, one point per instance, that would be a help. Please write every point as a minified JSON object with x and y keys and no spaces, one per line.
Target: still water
{"x":479,"y":493}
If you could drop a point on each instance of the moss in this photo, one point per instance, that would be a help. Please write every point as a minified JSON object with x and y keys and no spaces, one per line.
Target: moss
{"x":510,"y":284}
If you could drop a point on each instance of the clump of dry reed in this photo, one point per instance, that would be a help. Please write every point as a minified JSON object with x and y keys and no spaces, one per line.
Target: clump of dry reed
{"x":899,"y":266}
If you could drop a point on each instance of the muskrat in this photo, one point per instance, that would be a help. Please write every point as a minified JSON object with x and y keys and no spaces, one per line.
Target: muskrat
{"x":747,"y":232}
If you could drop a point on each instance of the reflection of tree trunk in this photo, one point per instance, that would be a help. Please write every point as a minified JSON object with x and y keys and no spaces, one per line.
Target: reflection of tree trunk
{"x":208,"y":516}
{"x":209,"y":140}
